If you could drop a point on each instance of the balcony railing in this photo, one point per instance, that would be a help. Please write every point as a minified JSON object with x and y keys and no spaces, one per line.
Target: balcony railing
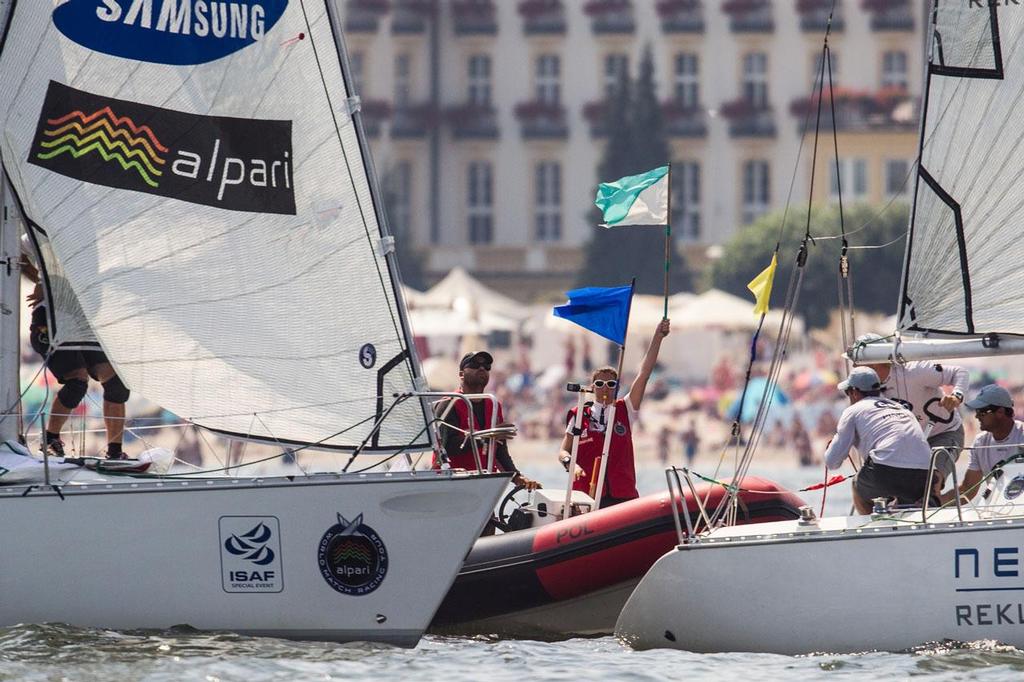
{"x":473,"y":121}
{"x":596,"y":114}
{"x":413,"y":120}
{"x":749,"y":119}
{"x":412,"y":16}
{"x":814,"y":15}
{"x":682,"y":120}
{"x":363,"y":16}
{"x":475,"y":17}
{"x":542,"y":17}
{"x":749,"y":16}
{"x":681,"y":16}
{"x":375,"y":112}
{"x":890,"y":15}
{"x":888,"y":110}
{"x":610,"y":16}
{"x":542,"y":120}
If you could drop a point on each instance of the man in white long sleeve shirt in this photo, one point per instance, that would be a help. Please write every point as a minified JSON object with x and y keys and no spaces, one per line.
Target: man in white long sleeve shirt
{"x":919,"y":387}
{"x":896,"y":454}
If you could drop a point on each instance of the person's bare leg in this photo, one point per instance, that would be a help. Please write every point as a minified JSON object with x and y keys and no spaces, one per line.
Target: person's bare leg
{"x":113,"y":413}
{"x":59,"y":412}
{"x":863,"y":506}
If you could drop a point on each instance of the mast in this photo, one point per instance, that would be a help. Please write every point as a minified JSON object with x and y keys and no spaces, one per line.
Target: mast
{"x":10,"y":319}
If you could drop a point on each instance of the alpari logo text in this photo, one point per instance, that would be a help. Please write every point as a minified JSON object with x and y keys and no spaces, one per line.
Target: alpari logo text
{"x":231,"y":163}
{"x":177,"y":32}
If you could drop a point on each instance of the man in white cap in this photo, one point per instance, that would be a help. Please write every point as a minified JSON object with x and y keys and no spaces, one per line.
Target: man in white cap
{"x":888,"y":437}
{"x":1001,"y":436}
{"x":919,"y":387}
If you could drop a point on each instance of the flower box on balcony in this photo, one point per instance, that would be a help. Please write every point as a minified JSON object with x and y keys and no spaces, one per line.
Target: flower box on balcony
{"x":814,"y":15}
{"x":890,"y":15}
{"x":748,"y":119}
{"x":475,"y":17}
{"x":473,"y":121}
{"x":596,"y":114}
{"x":610,"y":16}
{"x":858,"y":110}
{"x":749,"y":16}
{"x":374,"y":112}
{"x":683,"y":120}
{"x":411,"y":16}
{"x":413,"y":120}
{"x":542,"y":120}
{"x":542,"y":17}
{"x":681,"y":16}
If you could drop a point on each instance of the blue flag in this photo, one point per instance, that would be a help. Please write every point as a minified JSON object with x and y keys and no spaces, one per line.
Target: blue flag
{"x":602,"y":310}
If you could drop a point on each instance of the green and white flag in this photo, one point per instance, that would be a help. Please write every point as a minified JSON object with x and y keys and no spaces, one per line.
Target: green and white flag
{"x":635,"y":200}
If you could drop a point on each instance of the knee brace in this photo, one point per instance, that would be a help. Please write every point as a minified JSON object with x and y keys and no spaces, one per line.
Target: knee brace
{"x":72,"y":392}
{"x":114,"y":391}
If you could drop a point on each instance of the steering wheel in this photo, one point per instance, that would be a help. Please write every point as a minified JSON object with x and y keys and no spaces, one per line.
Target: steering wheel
{"x":501,"y":520}
{"x":934,"y":417}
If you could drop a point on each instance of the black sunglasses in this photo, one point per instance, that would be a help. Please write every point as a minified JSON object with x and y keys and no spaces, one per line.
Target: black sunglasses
{"x":601,"y":383}
{"x":986,"y":410}
{"x":479,"y":365}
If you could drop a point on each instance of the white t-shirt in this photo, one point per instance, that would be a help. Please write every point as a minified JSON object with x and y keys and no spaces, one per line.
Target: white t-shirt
{"x":988,"y":451}
{"x":883,"y":430}
{"x":916,"y":383}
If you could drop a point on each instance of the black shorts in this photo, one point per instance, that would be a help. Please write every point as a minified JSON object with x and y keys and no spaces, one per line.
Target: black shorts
{"x":62,"y":362}
{"x":878,"y":480}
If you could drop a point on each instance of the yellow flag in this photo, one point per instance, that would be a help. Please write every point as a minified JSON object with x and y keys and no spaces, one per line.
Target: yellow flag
{"x":761,"y":287}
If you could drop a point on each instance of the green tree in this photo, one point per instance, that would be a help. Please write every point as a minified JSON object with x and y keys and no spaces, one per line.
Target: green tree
{"x":876,"y":272}
{"x":636,"y":143}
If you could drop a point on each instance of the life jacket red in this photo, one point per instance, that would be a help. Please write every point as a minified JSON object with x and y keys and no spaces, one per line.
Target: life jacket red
{"x":464,"y":459}
{"x":620,"y":474}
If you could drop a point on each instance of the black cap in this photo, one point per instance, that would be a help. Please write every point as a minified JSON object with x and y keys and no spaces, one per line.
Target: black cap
{"x":476,"y":355}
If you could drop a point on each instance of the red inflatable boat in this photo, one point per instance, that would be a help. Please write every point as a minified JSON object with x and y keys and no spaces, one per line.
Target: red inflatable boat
{"x":572,"y":577}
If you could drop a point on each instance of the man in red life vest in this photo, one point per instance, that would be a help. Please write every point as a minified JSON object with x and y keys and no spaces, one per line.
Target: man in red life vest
{"x":474,"y":373}
{"x":620,"y":473}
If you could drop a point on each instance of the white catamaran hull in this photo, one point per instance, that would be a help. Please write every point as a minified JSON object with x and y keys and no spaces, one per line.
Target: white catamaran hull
{"x":327,"y":557}
{"x":874,"y":588}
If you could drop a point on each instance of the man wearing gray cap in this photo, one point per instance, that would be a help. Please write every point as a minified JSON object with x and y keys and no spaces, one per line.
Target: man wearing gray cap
{"x":919,"y":387}
{"x":888,"y":437}
{"x":1001,"y":437}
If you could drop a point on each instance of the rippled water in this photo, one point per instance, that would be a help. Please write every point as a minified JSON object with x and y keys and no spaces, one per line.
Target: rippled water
{"x":59,"y":652}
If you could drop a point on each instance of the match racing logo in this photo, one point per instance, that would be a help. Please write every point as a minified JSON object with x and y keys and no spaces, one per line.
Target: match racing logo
{"x":352,"y":557}
{"x":250,"y":556}
{"x":231,"y":163}
{"x":176,"y":32}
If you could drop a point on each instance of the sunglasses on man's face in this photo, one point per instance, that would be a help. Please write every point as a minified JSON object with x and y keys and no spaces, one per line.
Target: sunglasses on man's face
{"x":479,"y":365}
{"x":601,"y":383}
{"x":985,"y":410}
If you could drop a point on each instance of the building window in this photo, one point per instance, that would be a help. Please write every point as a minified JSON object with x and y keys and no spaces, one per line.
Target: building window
{"x":479,"y":90}
{"x":400,"y":201}
{"x":897,"y":177}
{"x":756,"y":190}
{"x":894,"y":69}
{"x":403,"y":79}
{"x":854,"y":176}
{"x":616,"y":67}
{"x":548,"y":200}
{"x":481,"y":203}
{"x":817,"y":72}
{"x":355,"y":61}
{"x":549,"y":79}
{"x":687,"y":80}
{"x":686,"y":200}
{"x":755,"y":79}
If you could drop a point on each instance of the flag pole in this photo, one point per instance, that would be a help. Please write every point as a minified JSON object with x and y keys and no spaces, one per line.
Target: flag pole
{"x":668,"y":238}
{"x":609,"y":429}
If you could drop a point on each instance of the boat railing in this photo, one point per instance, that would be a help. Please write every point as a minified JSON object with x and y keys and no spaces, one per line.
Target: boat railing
{"x":675,"y":487}
{"x":471,"y":433}
{"x":948,"y":453}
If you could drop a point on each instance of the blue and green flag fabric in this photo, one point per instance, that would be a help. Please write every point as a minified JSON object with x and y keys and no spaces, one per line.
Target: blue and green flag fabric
{"x":635,"y":199}
{"x":602,"y":310}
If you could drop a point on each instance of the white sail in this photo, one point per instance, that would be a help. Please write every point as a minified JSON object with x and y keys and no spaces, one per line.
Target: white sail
{"x":962,"y":273}
{"x":67,"y":326}
{"x":201,"y":181}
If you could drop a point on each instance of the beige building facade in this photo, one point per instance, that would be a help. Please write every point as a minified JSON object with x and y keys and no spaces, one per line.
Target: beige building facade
{"x":485,"y":116}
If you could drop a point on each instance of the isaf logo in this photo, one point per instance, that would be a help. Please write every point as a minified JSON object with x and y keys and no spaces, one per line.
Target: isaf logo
{"x":230,"y":163}
{"x":176,"y":32}
{"x":352,"y":558}
{"x":251,"y":554}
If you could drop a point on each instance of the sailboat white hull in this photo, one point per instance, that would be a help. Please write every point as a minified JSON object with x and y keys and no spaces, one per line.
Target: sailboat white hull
{"x":796,"y":590}
{"x":276,"y":557}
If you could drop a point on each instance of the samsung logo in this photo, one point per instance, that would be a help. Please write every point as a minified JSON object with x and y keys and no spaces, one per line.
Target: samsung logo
{"x":177,"y":32}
